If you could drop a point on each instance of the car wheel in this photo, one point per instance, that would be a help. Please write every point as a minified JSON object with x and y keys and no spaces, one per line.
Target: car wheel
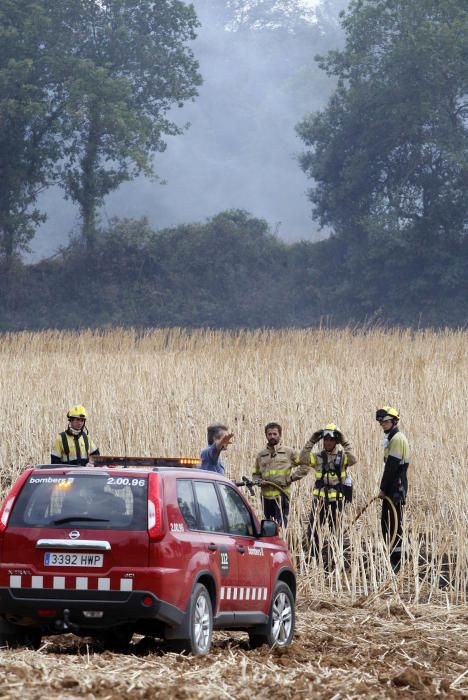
{"x":200,"y":622}
{"x":279,"y":630}
{"x":14,"y":636}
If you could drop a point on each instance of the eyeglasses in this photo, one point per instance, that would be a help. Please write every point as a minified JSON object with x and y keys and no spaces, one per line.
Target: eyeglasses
{"x":329,"y":433}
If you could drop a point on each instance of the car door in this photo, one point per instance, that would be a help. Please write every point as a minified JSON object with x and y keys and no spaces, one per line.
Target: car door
{"x":253,"y":560}
{"x":217,"y":542}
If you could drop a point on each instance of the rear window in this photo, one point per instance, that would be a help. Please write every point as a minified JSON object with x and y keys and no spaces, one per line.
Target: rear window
{"x":94,"y":501}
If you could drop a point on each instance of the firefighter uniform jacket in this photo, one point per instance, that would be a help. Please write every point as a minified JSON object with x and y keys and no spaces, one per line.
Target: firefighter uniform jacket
{"x":396,"y":457}
{"x":73,"y":449}
{"x":276,"y":464}
{"x":330,"y":469}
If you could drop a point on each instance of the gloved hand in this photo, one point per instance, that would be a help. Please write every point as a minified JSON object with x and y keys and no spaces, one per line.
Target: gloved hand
{"x":340,"y":437}
{"x":343,"y":441}
{"x":315,"y":437}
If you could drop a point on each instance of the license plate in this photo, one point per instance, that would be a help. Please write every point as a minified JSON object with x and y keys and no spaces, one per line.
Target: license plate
{"x":73,"y":559}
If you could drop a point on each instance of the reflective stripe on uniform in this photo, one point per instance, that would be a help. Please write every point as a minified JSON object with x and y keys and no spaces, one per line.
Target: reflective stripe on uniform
{"x":273,"y":493}
{"x":272,"y":472}
{"x":329,"y":494}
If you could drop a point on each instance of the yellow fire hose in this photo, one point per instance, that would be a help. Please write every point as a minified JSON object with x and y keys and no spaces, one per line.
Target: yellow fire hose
{"x":395,"y":517}
{"x":363,"y":510}
{"x":386,"y":498}
{"x":276,"y":486}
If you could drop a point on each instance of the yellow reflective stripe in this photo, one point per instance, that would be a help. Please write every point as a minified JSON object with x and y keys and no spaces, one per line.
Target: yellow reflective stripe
{"x":270,"y":493}
{"x":345,"y":461}
{"x":272,"y":472}
{"x":312,"y":459}
{"x":332,"y":494}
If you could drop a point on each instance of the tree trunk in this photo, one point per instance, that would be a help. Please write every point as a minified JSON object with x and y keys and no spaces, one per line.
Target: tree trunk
{"x":89,"y":187}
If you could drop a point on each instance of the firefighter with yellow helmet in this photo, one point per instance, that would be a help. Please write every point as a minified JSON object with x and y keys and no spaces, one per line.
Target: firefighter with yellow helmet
{"x":394,"y":483}
{"x":74,"y":445}
{"x":332,"y":487}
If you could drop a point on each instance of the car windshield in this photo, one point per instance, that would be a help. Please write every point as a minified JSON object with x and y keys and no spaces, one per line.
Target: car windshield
{"x":94,"y":501}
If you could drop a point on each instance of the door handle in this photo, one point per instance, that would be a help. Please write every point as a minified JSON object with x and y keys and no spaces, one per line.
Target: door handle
{"x":241,"y":549}
{"x":212,"y":547}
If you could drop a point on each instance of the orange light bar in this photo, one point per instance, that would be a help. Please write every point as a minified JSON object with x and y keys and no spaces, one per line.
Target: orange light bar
{"x":115,"y":461}
{"x":64,"y":485}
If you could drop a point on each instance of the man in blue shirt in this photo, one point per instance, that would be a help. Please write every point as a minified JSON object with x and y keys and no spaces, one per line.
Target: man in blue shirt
{"x":219,"y":438}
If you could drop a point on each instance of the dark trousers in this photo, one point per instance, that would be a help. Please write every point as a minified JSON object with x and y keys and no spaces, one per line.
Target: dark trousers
{"x":277,"y":509}
{"x":320,"y":513}
{"x":387,"y":521}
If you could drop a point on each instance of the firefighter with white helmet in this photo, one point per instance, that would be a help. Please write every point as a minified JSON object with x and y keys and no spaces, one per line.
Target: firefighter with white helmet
{"x":394,"y":483}
{"x":332,"y":487}
{"x":74,"y":445}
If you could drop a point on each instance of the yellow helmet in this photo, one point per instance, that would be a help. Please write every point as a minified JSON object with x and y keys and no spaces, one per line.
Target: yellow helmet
{"x":77,"y":411}
{"x":331,"y":430}
{"x":387,"y":413}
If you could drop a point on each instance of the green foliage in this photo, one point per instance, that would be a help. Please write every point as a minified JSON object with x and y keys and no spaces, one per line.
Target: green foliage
{"x":85,"y":87}
{"x":389,"y":155}
{"x":33,"y":53}
{"x":227,"y":272}
{"x":134,"y":65}
{"x":230,"y":271}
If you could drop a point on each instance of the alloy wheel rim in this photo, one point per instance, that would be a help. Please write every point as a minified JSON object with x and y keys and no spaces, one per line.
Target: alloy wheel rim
{"x":202,"y":624}
{"x":282,"y":619}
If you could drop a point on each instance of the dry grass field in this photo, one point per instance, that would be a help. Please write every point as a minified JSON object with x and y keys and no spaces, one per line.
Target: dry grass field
{"x":362,"y":631}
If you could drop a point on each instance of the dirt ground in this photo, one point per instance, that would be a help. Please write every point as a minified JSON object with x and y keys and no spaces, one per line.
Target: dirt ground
{"x":369,"y":649}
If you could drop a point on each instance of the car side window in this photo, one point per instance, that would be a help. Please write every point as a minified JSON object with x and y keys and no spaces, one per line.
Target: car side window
{"x":211,"y":517}
{"x":186,"y":501}
{"x":238,"y":515}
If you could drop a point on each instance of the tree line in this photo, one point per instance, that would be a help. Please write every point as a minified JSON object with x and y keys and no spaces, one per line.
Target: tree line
{"x":230,"y":271}
{"x":85,"y":93}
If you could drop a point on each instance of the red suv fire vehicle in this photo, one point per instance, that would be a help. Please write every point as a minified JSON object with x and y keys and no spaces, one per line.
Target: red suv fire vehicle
{"x":145,"y":545}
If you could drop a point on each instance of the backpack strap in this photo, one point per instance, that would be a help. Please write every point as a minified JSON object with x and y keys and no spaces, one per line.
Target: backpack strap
{"x":338,"y":462}
{"x":86,"y":442}
{"x":324,"y":456}
{"x":81,"y":458}
{"x":65,"y":445}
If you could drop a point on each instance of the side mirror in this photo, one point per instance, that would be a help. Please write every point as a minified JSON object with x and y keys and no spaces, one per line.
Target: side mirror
{"x":269,"y":528}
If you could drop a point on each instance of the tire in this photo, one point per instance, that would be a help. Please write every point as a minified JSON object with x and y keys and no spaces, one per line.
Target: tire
{"x":279,"y":630}
{"x":200,"y":623}
{"x":15,"y":636}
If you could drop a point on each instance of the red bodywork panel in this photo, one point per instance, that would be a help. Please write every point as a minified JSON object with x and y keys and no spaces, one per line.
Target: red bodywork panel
{"x":165,"y":560}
